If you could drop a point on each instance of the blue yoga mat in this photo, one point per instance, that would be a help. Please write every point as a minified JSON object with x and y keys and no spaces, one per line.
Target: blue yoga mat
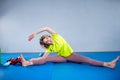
{"x":61,"y":71}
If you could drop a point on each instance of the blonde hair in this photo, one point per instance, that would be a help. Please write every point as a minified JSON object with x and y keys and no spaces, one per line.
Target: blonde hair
{"x":44,"y":45}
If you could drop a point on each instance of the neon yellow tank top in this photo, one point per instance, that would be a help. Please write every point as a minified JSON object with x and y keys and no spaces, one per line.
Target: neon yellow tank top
{"x":60,"y":46}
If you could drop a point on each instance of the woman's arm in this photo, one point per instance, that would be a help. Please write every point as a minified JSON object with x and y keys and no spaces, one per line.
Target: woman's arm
{"x":45,"y":55}
{"x":48,"y":29}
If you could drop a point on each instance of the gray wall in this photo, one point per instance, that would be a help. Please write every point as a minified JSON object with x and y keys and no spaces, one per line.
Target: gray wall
{"x":88,"y":25}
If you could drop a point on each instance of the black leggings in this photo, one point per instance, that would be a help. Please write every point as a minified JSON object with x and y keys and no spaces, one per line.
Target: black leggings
{"x":72,"y":58}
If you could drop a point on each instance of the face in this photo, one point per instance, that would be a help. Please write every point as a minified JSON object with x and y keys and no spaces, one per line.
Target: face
{"x":48,"y":40}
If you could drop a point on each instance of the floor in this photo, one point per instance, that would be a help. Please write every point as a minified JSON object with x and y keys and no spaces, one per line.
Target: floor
{"x":61,"y":71}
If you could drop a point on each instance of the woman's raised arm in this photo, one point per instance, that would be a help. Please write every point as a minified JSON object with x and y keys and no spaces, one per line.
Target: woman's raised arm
{"x":48,"y":29}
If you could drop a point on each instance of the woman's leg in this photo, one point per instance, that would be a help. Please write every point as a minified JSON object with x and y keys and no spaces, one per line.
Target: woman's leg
{"x":49,"y":59}
{"x":56,"y":59}
{"x":77,"y":58}
{"x":82,"y":59}
{"x":42,"y":61}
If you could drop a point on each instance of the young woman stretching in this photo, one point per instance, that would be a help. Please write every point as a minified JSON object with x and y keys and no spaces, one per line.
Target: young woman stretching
{"x":56,"y":43}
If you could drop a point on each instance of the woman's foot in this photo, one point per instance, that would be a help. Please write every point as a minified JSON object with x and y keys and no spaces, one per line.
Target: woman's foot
{"x":112,"y":64}
{"x":116,"y":60}
{"x":24,"y":62}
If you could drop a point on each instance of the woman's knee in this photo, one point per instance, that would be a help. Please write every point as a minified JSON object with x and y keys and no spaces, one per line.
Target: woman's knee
{"x":39,"y":61}
{"x":55,"y":59}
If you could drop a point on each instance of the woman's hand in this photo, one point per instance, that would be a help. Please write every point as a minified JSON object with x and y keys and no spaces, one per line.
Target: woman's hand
{"x":31,"y":36}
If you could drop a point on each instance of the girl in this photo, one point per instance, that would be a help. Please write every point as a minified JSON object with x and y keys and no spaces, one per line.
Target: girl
{"x":56,"y":43}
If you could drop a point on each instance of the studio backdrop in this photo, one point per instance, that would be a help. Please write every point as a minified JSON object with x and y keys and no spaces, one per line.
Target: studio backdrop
{"x":87,"y":25}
